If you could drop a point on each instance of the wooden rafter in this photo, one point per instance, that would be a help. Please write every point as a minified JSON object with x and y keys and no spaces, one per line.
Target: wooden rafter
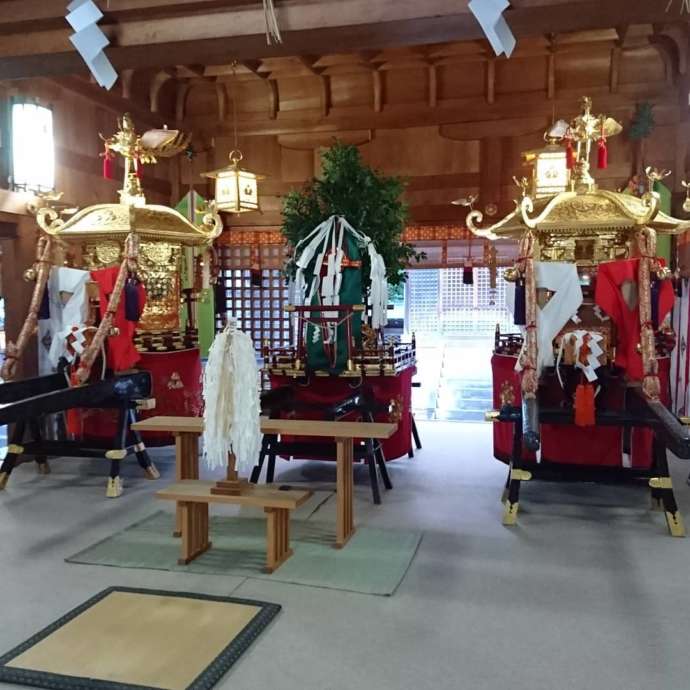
{"x":195,"y":32}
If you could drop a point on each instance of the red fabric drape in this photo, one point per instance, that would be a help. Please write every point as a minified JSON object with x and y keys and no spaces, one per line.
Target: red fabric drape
{"x":121,"y":353}
{"x":610,"y":278}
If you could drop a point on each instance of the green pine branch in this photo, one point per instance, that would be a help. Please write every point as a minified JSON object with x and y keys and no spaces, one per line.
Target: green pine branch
{"x":371,"y":203}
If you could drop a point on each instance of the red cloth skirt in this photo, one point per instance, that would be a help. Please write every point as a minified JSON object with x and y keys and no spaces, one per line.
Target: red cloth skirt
{"x":176,"y":386}
{"x":386,"y":389}
{"x":566,"y":443}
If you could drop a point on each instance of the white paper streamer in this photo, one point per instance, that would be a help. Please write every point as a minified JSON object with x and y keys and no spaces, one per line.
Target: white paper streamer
{"x":231,"y":402}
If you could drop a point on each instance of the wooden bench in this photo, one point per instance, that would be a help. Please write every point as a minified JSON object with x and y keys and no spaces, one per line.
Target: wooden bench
{"x":193,"y":498}
{"x":188,"y":429}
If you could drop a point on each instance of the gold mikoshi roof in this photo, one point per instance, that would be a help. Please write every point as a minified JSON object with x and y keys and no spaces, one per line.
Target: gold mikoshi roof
{"x":116,"y":221}
{"x":570,"y":212}
{"x":575,"y":206}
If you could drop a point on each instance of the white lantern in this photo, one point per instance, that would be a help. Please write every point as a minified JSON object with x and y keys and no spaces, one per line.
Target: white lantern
{"x":237,"y":190}
{"x":550,"y":173}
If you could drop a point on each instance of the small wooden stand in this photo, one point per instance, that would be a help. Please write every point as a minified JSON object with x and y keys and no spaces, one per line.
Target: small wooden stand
{"x":233,"y":485}
{"x":193,"y":498}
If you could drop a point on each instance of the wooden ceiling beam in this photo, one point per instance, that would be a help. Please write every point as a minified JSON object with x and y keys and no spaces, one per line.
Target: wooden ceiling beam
{"x":22,"y":15}
{"x":110,"y":101}
{"x":474,"y":116}
{"x":327,"y":27}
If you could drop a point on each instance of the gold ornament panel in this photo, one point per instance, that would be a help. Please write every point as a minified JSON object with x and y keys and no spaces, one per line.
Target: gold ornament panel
{"x":159,"y":268}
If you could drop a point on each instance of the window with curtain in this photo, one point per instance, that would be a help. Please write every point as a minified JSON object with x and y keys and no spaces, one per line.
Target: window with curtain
{"x":33,"y":148}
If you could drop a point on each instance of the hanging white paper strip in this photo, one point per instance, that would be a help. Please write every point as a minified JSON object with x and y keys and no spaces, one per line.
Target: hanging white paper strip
{"x":489,"y":14}
{"x":90,"y":41}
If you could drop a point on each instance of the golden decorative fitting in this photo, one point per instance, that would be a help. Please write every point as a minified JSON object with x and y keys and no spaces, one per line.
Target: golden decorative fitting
{"x":142,"y":149}
{"x":655,"y":175}
{"x":370,"y":337}
{"x":584,"y":130}
{"x":522,"y":184}
{"x":152,"y":472}
{"x":15,"y":449}
{"x":116,"y":454}
{"x":30,"y":275}
{"x":511,"y":274}
{"x":114,"y":488}
{"x":510,"y":514}
{"x":661,"y":483}
{"x":395,"y":410}
{"x":492,"y":415}
{"x":507,"y":394}
{"x":520,"y":475}
{"x":675,"y":523}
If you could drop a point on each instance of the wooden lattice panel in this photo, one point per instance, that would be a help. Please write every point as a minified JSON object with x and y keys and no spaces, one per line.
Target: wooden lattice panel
{"x":256,"y":292}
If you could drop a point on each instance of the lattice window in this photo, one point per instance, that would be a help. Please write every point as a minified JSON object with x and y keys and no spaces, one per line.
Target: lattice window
{"x":438,"y":302}
{"x":254,"y":295}
{"x":422,"y":288}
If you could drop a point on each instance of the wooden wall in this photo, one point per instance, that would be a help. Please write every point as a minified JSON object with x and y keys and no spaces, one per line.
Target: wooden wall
{"x":451,"y":119}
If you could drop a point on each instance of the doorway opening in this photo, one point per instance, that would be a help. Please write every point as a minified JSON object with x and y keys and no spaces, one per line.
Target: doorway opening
{"x":454,"y":324}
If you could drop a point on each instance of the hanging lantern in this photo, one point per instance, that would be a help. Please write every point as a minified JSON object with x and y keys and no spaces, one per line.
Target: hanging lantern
{"x":236,"y":190}
{"x":550,"y":168}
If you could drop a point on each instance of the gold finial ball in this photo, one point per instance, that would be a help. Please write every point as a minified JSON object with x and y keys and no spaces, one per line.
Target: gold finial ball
{"x":30,"y":275}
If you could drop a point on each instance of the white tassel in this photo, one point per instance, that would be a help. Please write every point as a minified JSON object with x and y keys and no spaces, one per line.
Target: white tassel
{"x":272,"y":28}
{"x":231,"y":402}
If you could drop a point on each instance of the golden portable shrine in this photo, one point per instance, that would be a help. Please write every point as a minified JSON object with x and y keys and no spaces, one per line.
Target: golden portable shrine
{"x":582,"y":392}
{"x":106,"y":307}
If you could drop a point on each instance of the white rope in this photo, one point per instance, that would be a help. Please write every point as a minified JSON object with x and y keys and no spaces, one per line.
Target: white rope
{"x":231,"y":401}
{"x":684,"y":6}
{"x":272,"y":28}
{"x":317,"y":241}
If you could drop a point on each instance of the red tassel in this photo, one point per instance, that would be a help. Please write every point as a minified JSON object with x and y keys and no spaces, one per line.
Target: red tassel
{"x":603,"y":155}
{"x":138,"y":168}
{"x":584,"y":405}
{"x":569,"y":154}
{"x":107,"y":163}
{"x":73,"y":415}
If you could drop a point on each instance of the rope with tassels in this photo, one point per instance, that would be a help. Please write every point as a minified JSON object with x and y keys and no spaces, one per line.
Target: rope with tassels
{"x":128,"y":265}
{"x":42,"y":268}
{"x":646,"y":240}
{"x":529,"y":354}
